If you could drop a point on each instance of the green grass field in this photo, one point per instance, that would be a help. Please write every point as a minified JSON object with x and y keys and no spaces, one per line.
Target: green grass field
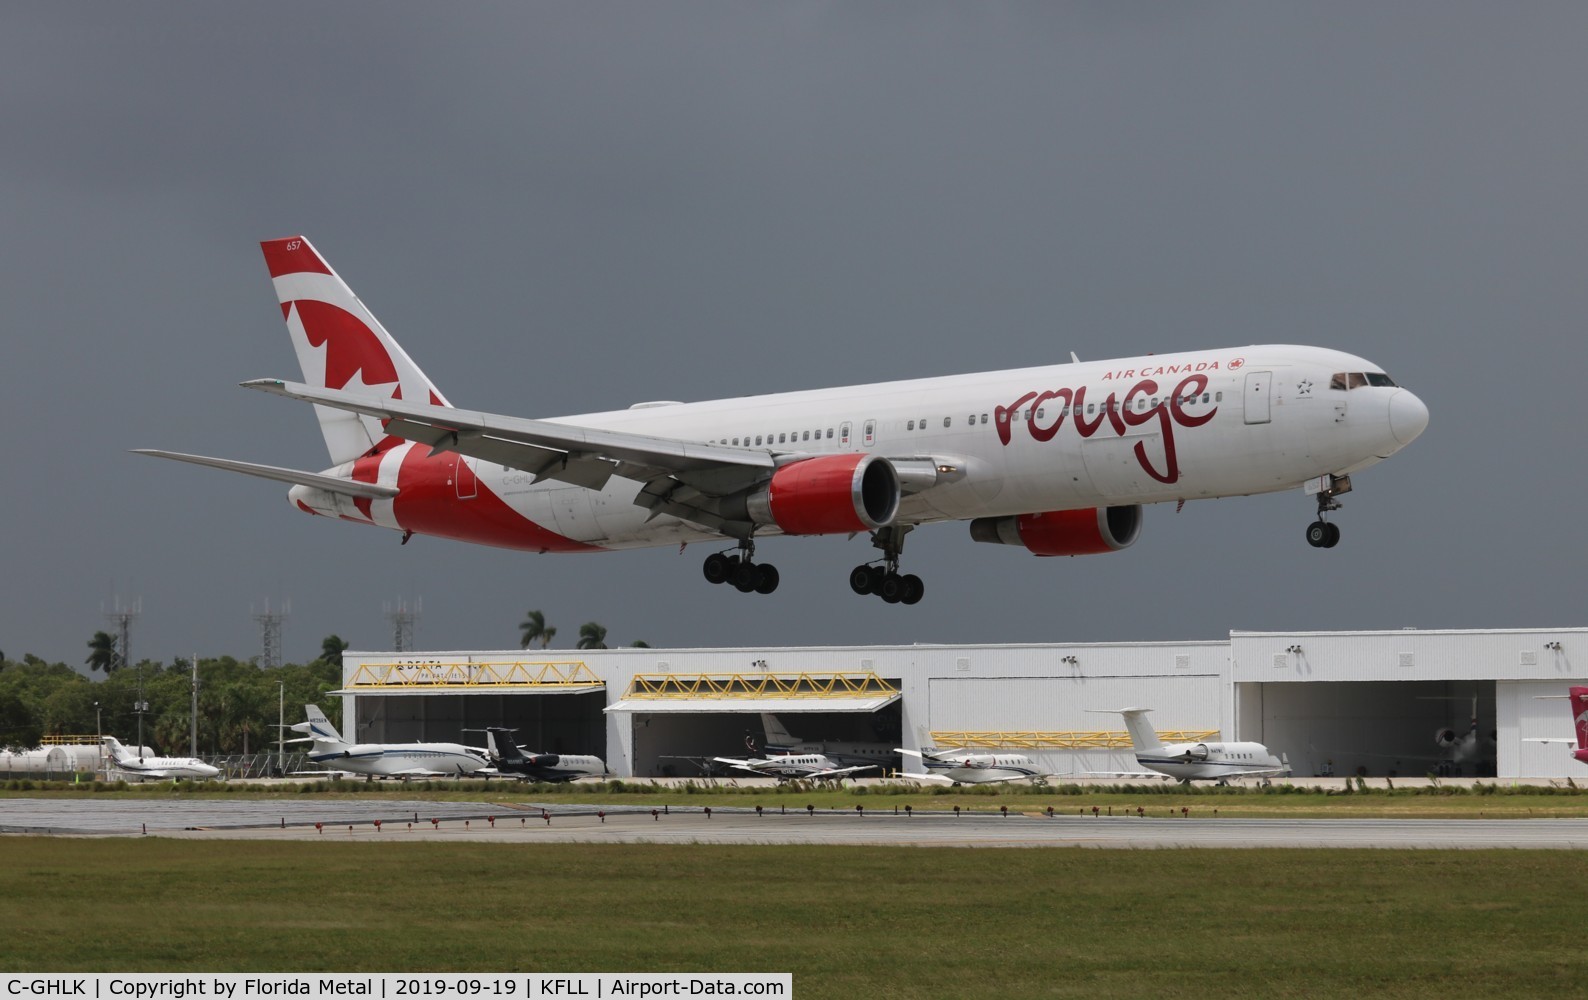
{"x":847,"y":922}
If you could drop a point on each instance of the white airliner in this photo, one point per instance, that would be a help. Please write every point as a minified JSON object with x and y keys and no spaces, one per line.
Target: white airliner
{"x":966,"y":767}
{"x":788,"y":767}
{"x":1058,"y":459}
{"x":145,"y":768}
{"x":1189,"y":762}
{"x":387,"y":760}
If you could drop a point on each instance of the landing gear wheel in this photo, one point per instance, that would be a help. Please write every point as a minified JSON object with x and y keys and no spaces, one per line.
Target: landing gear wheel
{"x":914,"y":589}
{"x":892,"y":589}
{"x":744,"y":577}
{"x":766,"y":578}
{"x":1334,"y":536}
{"x":864,"y":579}
{"x":716,"y":568}
{"x":1318,"y":534}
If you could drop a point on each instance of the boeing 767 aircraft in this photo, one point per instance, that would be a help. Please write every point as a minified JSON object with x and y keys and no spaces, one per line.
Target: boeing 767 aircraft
{"x":1058,"y":459}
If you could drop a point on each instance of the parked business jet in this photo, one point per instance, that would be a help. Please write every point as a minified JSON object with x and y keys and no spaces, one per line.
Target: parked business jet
{"x":1189,"y":762}
{"x":145,"y":768}
{"x":386,"y":760}
{"x":789,"y":767}
{"x":780,"y":741}
{"x":1058,"y":459}
{"x":958,"y":767}
{"x":508,"y":758}
{"x":1579,"y":718}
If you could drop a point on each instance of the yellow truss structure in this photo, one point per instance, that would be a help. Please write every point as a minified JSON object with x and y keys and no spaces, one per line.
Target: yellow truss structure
{"x":1073,"y":740}
{"x":759,"y":685}
{"x":548,"y":676}
{"x":69,"y":740}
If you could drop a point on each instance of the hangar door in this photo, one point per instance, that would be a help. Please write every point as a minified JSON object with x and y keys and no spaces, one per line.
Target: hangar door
{"x":554,"y":705}
{"x":681,"y":721}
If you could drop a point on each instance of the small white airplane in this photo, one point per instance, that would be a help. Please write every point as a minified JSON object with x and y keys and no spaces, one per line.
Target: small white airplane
{"x":386,"y":760}
{"x":780,"y":741}
{"x":1057,"y":459}
{"x":795,"y":766}
{"x":146,"y":768}
{"x":508,"y":758}
{"x":965,"y":767}
{"x":1189,"y":762}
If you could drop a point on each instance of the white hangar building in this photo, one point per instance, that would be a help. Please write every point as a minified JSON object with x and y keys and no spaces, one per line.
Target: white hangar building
{"x":1405,"y":702}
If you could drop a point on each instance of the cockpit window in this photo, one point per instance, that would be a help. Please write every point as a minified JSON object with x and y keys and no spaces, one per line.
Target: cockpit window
{"x":1356,"y":380}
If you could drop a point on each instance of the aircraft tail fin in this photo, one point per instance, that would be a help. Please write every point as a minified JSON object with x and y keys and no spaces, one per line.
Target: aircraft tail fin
{"x":777,"y":735}
{"x":502,"y":745}
{"x":118,"y":753}
{"x":1142,"y":735}
{"x":319,"y":726}
{"x":1579,"y":714}
{"x":341,"y":345}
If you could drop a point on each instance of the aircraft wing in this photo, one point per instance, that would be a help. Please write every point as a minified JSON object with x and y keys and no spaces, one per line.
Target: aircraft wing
{"x":839,"y":772}
{"x":684,"y":479}
{"x":332,"y":484}
{"x":582,"y":456}
{"x":928,"y":776}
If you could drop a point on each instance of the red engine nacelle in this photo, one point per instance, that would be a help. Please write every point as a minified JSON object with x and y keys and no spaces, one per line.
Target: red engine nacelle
{"x":829,"y":495}
{"x":1064,"y":532}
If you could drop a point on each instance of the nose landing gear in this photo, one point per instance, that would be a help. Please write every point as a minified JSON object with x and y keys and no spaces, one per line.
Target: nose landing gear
{"x":885,"y":580}
{"x":1322,"y":534}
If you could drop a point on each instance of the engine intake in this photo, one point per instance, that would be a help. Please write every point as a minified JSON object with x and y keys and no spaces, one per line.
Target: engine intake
{"x":829,"y":495}
{"x":1064,"y":532}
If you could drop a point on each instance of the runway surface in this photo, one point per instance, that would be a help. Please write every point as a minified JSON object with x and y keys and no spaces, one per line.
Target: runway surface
{"x":457,"y":822}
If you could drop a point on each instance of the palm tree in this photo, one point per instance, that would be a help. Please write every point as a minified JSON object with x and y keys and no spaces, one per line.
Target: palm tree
{"x":592,"y":636}
{"x":639,"y":644}
{"x":331,"y":649}
{"x":102,"y":652}
{"x":534,"y":629}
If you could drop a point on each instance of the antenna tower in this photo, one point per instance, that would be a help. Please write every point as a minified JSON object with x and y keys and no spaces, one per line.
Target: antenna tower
{"x":404,"y":621}
{"x":121,"y":621}
{"x":270,"y":633}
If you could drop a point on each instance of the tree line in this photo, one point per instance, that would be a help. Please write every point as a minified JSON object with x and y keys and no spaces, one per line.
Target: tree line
{"x":238,"y":701}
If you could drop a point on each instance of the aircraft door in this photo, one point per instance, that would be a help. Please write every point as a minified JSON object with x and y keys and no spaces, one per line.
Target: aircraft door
{"x":464,"y":481}
{"x":1259,"y":386}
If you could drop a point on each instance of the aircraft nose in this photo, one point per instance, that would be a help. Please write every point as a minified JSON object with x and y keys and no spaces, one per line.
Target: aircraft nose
{"x":1408,"y":416}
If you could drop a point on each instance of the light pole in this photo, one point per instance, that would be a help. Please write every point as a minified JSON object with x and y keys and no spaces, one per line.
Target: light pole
{"x":99,"y":737}
{"x":140,"y":707}
{"x":281,"y":729}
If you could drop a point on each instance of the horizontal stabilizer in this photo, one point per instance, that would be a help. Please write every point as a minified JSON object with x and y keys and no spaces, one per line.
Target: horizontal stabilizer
{"x":331,"y":484}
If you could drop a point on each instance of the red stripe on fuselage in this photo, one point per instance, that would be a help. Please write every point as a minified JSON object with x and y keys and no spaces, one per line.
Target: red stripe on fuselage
{"x":428,"y":504}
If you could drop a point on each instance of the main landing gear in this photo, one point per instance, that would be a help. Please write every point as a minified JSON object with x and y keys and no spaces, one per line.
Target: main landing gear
{"x":741,"y":570}
{"x":885,"y":580}
{"x":1322,"y":534}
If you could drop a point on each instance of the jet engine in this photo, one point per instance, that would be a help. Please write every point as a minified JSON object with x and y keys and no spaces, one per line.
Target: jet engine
{"x":1198,"y":752}
{"x":1446,"y":738}
{"x":828,"y":495}
{"x":1064,"y":532}
{"x":542,"y":760}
